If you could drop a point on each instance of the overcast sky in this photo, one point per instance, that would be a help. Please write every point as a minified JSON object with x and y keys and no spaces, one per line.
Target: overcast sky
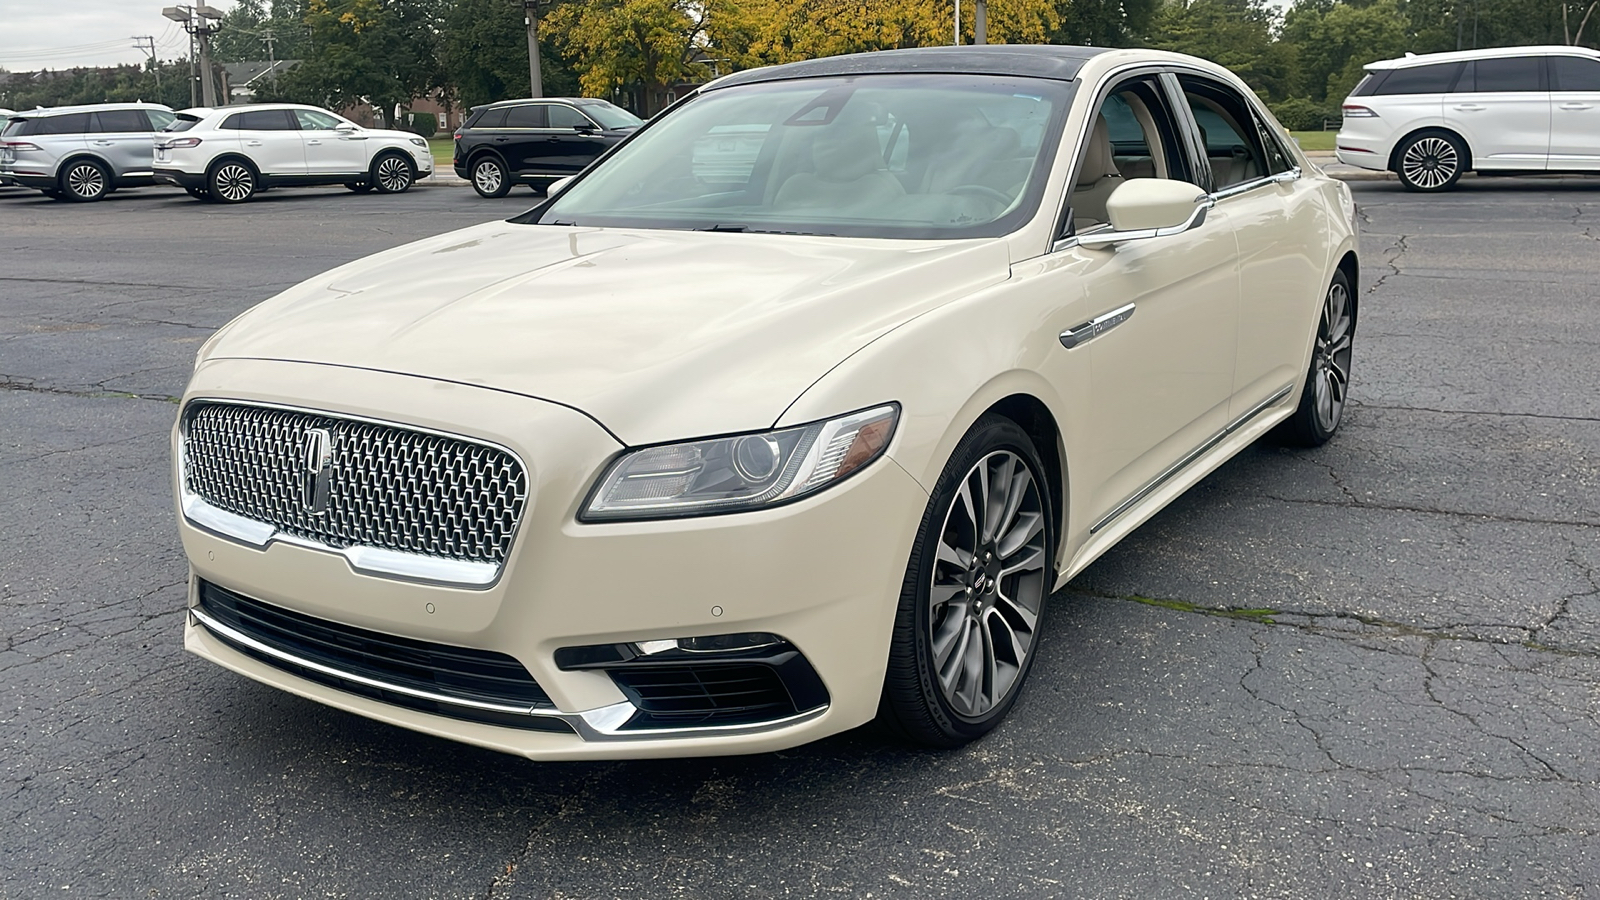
{"x":60,"y":34}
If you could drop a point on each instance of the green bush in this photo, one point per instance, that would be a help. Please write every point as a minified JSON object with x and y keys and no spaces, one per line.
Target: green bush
{"x":1303,"y":114}
{"x":425,"y":124}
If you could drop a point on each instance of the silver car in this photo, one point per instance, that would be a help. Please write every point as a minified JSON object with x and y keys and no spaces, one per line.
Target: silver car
{"x":82,"y":153}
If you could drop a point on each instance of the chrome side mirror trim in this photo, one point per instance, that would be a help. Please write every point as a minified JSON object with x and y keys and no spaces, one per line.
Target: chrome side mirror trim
{"x":1197,"y":218}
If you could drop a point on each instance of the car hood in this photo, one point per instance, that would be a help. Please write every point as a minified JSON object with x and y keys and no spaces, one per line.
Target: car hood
{"x":658,"y":335}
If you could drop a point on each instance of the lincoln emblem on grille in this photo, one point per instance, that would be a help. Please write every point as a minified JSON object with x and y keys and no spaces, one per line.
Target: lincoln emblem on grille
{"x":318,"y":455}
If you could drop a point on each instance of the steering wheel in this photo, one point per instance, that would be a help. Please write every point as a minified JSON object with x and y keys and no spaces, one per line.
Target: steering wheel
{"x":981,"y":190}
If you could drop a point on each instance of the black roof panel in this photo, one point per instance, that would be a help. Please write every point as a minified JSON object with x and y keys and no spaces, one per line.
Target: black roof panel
{"x":1029,"y":60}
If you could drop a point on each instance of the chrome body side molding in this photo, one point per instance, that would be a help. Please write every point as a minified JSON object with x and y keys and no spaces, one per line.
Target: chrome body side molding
{"x":1190,"y":458}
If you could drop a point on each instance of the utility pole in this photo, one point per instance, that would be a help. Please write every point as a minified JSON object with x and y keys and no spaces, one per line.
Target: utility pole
{"x":272,"y":60}
{"x":201,"y":22}
{"x":148,"y":42}
{"x":530,"y":9}
{"x":980,"y":25}
{"x":957,"y":41}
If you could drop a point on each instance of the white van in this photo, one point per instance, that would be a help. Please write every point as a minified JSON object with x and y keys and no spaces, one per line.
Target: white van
{"x":1505,"y":111}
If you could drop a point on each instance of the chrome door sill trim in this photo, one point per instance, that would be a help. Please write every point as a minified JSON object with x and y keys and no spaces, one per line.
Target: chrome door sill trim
{"x":376,"y":561}
{"x":1078,"y":335}
{"x":1189,"y":459}
{"x":604,"y":724}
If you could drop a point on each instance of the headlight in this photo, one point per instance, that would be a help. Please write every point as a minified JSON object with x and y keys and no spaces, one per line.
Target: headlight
{"x":742,"y":472}
{"x":419,"y":142}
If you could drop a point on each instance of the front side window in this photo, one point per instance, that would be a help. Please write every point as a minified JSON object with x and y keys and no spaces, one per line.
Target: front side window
{"x":610,"y":116}
{"x":312,"y":120}
{"x":1434,"y":79}
{"x":1574,"y":73}
{"x":912,"y":156}
{"x":567,"y":117}
{"x":1133,"y":135}
{"x":1501,"y":76}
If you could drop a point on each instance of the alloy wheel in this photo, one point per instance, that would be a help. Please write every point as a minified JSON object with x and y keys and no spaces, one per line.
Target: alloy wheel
{"x":233,"y":182}
{"x":394,"y":175}
{"x":86,"y":181}
{"x":487,"y":177}
{"x":1331,"y":362}
{"x":1430,"y":162}
{"x":988,"y":584}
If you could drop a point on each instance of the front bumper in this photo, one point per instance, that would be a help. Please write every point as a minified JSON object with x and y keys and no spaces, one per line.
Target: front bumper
{"x":823,"y":573}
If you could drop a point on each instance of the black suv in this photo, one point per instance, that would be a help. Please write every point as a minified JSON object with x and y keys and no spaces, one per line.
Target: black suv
{"x":536,"y":141}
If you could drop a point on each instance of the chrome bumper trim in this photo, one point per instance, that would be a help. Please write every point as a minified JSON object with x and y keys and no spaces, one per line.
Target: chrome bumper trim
{"x":596,"y":725}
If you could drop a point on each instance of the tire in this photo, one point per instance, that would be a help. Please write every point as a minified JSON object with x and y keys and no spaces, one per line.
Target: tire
{"x":392,"y":173}
{"x":489,"y":177}
{"x":232,"y":181}
{"x":358,"y":187}
{"x":1327,"y":385}
{"x":959,"y":589}
{"x":199,"y":193}
{"x":1431,"y":161}
{"x":52,"y":193}
{"x":84,"y":181}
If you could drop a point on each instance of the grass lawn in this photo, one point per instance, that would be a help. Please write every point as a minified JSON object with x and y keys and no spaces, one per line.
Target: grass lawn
{"x":444,"y":151}
{"x":1314,"y":140}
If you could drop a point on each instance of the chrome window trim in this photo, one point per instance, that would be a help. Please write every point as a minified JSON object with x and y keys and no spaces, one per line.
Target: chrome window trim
{"x":603,"y":724}
{"x":365,"y":559}
{"x":1190,"y":458}
{"x":1245,"y":187}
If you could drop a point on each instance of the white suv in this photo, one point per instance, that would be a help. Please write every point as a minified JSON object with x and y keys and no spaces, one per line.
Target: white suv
{"x":228,"y":154}
{"x":1506,"y":111}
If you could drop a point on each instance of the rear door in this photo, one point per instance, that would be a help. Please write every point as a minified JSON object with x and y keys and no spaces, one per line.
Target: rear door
{"x":329,"y":151}
{"x":1502,"y":107}
{"x":1574,"y":113}
{"x":527,"y":143}
{"x":271,"y":138}
{"x":122,"y":138}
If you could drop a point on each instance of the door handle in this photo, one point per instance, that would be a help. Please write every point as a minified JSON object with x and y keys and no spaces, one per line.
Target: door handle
{"x":1471,"y":107}
{"x":103,"y":143}
{"x":1078,"y":335}
{"x":1577,"y":106}
{"x":500,"y":140}
{"x":252,"y":143}
{"x":313,"y":143}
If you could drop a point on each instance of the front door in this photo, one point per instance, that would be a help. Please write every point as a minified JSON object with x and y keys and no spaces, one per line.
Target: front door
{"x":1574,"y":113}
{"x":577,"y":140}
{"x":271,"y":139}
{"x":1502,"y":108}
{"x":330,"y":151}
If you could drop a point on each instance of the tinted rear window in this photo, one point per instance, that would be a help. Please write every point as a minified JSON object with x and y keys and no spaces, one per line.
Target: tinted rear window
{"x":1575,"y":74}
{"x":73,"y":123}
{"x":1518,"y":73}
{"x":115,"y":121}
{"x":1435,"y":79}
{"x":266,"y":120}
{"x":490,"y":118}
{"x":1365,"y":87}
{"x":18,"y":128}
{"x":184,"y":123}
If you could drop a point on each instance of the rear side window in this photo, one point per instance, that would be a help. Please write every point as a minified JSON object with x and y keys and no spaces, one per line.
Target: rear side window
{"x":1575,"y":74}
{"x":117,"y":121}
{"x":531,"y":116}
{"x":1502,"y":76}
{"x":266,"y":120}
{"x":489,"y":118}
{"x":159,"y":118}
{"x":1368,"y":83}
{"x":73,"y":123}
{"x":1435,"y":79}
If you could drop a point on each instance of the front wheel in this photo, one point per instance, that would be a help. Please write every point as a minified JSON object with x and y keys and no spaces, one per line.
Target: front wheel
{"x":392,"y":174}
{"x":972,"y":602}
{"x":1431,"y":162}
{"x":1327,"y":386}
{"x":489,"y":178}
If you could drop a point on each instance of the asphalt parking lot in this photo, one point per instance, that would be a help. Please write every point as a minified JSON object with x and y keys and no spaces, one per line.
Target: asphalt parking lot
{"x":1368,"y":670}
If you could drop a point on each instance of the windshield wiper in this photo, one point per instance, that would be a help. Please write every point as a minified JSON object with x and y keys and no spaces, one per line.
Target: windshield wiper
{"x":731,"y":229}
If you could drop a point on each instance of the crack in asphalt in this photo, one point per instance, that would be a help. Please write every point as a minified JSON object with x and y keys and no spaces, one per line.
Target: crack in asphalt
{"x":1392,"y":263}
{"x":1474,"y":412}
{"x":9,"y":383}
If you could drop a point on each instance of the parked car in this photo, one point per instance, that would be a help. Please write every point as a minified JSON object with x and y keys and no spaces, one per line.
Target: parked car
{"x":81,"y":152}
{"x":672,"y":466}
{"x":535,"y":141}
{"x":229,"y":154}
{"x":1505,"y":111}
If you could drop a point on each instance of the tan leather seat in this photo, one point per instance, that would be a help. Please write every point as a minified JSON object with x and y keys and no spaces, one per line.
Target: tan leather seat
{"x":849,"y":171}
{"x":1097,"y":178}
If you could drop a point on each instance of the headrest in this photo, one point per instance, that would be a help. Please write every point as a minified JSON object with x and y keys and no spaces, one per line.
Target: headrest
{"x":846,"y":150}
{"x":1098,"y":161}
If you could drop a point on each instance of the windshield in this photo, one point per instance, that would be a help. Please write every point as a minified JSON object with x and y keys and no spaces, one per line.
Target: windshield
{"x":905,"y":156}
{"x":611,"y":116}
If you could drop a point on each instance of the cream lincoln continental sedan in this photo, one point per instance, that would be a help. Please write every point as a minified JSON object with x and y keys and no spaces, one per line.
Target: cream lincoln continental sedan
{"x":788,"y":414}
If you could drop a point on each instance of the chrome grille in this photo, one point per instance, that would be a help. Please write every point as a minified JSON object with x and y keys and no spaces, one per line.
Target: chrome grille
{"x":386,"y":487}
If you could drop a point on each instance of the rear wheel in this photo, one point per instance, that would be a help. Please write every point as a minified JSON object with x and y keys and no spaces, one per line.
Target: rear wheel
{"x":85,"y":181}
{"x":392,"y":173}
{"x":1327,"y":384}
{"x":231,"y":181}
{"x":1432,"y":161}
{"x":972,"y":602}
{"x":489,"y":177}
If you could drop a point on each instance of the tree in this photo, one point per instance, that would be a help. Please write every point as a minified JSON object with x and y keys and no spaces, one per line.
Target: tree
{"x":1105,"y":23}
{"x":645,"y":43}
{"x":484,"y":53}
{"x":1334,"y":41}
{"x":116,"y":84}
{"x":247,"y":26}
{"x":381,"y":52}
{"x":1236,"y":34}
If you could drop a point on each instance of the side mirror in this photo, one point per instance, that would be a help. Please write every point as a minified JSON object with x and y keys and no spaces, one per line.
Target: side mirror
{"x":345,"y":127}
{"x":1144,"y":208}
{"x":557,"y":186}
{"x":585,"y":129}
